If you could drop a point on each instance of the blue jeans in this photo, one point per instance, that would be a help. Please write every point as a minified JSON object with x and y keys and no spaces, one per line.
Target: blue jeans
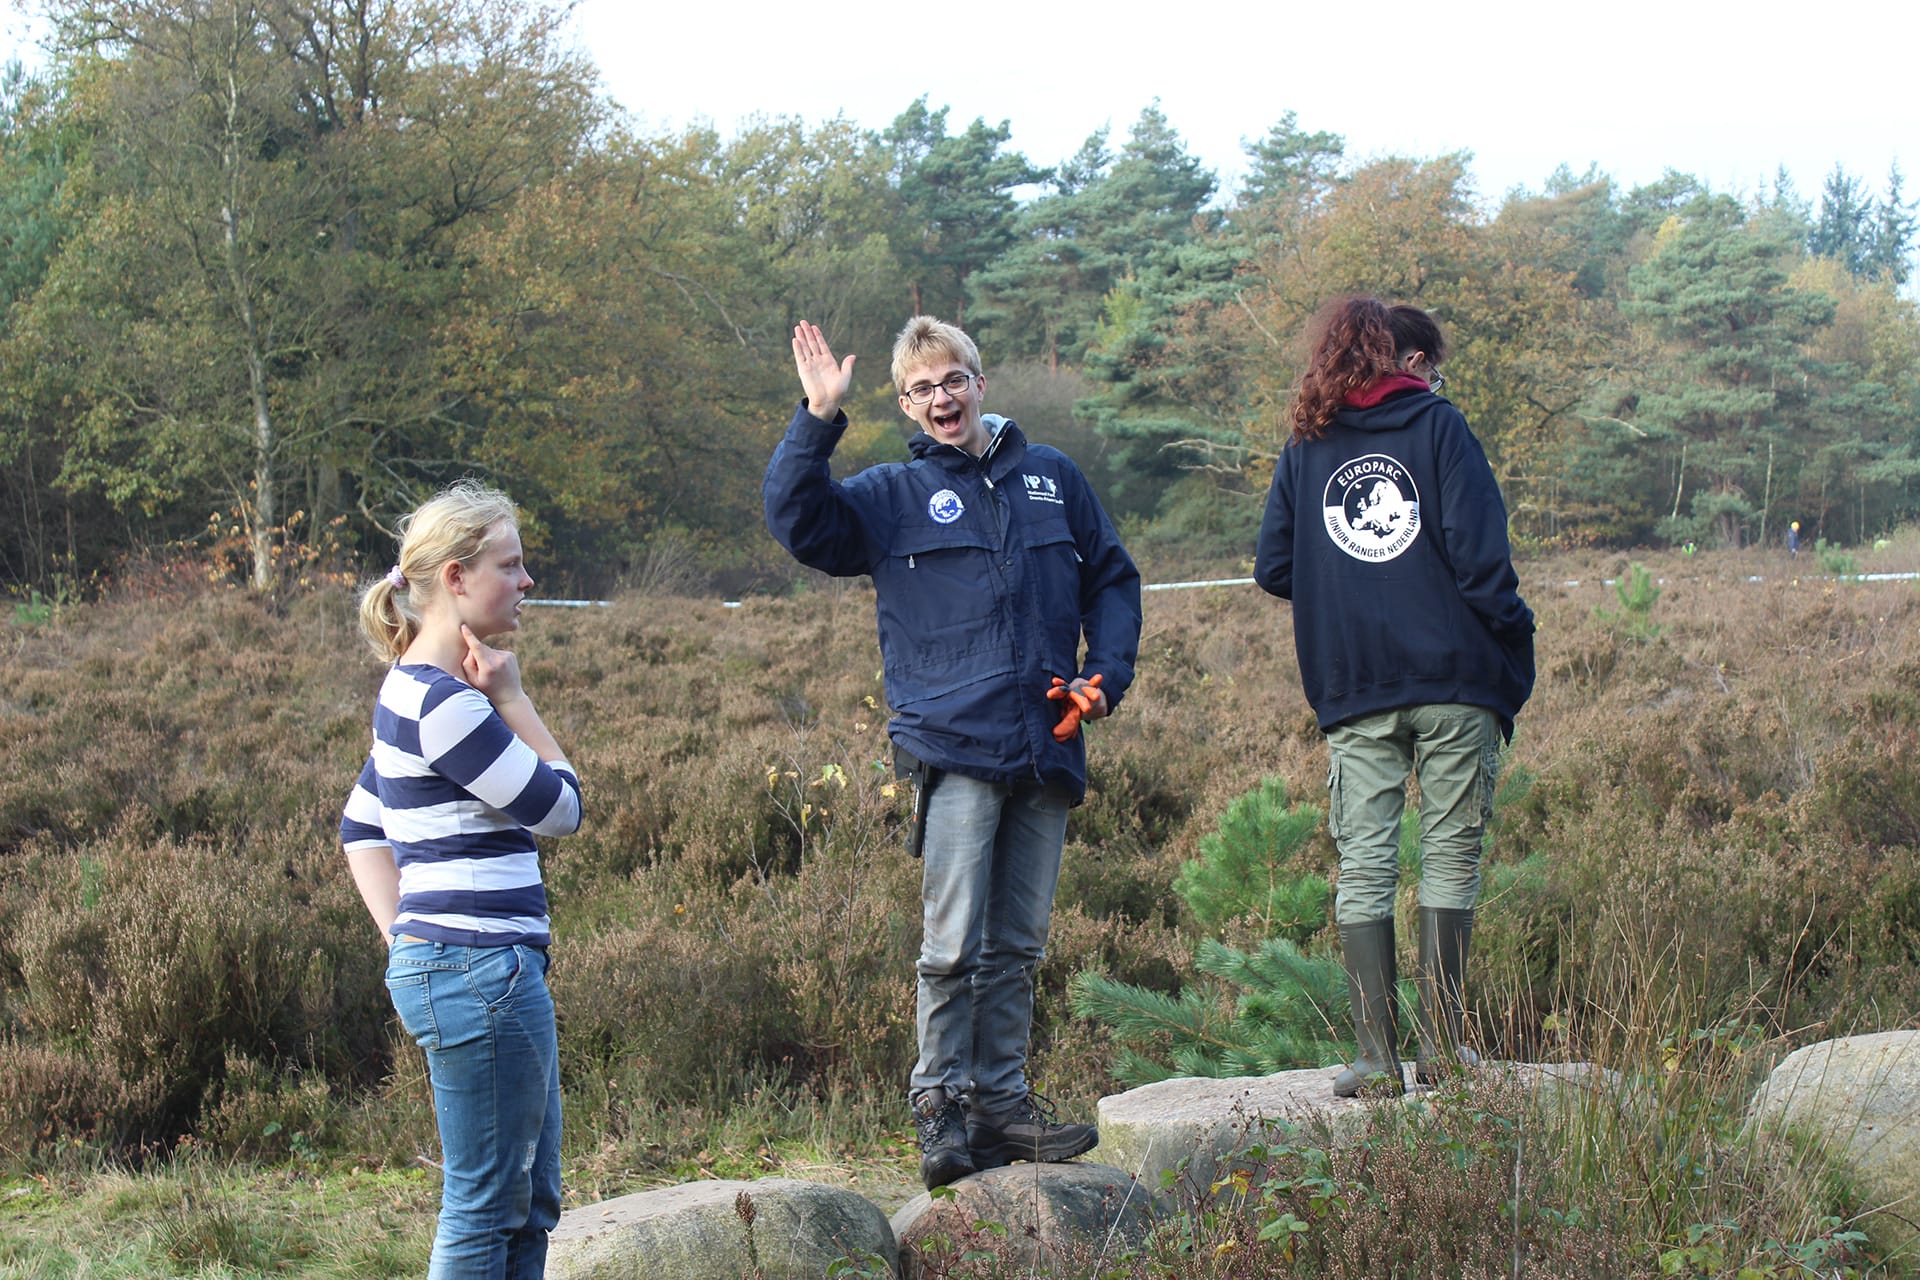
{"x":1456,"y":750}
{"x":485,"y":1018}
{"x":992,"y":862}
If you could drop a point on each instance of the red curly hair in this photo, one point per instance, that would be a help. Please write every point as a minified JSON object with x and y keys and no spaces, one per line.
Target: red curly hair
{"x":1358,"y":340}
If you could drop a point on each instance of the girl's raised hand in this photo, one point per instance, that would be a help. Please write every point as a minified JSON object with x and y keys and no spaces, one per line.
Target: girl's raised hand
{"x":825,"y":382}
{"x":494,"y":672}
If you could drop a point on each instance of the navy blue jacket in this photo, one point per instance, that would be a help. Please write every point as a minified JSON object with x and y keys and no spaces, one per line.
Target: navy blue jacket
{"x":986,"y":572}
{"x":1389,"y":536}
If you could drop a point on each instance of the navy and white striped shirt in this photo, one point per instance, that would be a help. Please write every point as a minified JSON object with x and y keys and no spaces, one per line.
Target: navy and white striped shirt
{"x":458,"y":797}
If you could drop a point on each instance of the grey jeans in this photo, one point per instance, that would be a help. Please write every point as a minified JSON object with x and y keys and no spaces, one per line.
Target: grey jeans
{"x":1455,"y":749}
{"x":992,"y":862}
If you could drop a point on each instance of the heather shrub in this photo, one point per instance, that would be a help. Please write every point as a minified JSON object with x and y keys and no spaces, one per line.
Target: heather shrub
{"x":155,"y":958}
{"x":52,"y":1094}
{"x":1462,"y":1185}
{"x":663,"y":1011}
{"x":845,"y":928}
{"x":1719,"y":822}
{"x":798,"y":958}
{"x":266,"y":1111}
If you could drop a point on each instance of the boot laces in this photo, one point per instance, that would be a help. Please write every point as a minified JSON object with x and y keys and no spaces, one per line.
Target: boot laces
{"x":932,"y":1126}
{"x":1036,"y":1108}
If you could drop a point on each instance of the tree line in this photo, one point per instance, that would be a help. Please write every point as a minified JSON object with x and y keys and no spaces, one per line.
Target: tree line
{"x":271,"y":269}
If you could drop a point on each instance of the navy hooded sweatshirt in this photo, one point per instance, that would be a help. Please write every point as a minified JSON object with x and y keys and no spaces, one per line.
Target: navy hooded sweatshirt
{"x":1389,"y":535}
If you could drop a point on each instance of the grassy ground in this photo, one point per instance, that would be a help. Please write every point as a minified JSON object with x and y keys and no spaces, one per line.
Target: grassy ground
{"x":193,"y":1217}
{"x":195,"y":1213}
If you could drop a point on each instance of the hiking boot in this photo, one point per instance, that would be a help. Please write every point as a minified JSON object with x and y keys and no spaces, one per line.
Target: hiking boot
{"x":1026,"y":1131}
{"x":942,"y":1128}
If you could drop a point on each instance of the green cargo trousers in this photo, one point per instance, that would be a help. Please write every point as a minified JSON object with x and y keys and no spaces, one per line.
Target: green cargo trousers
{"x":1456,"y":750}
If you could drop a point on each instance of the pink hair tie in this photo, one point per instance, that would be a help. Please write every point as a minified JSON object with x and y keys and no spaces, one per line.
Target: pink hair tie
{"x":396,"y":579}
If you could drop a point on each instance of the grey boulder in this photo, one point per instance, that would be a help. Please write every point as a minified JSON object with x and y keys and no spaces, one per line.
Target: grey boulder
{"x":699,"y":1231}
{"x":1040,"y":1215}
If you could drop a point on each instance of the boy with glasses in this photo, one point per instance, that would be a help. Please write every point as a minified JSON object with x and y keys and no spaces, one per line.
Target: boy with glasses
{"x":991,"y":559}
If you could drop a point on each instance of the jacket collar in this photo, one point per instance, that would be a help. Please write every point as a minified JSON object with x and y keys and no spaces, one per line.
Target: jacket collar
{"x":1006,"y":449}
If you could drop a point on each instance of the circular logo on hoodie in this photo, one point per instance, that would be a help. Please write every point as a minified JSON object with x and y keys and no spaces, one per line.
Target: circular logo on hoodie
{"x":1372,"y":508}
{"x":945,"y":507}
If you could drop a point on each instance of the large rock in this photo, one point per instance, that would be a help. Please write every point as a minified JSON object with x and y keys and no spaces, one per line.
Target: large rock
{"x":1150,"y":1130}
{"x":1049,"y":1213}
{"x":696,"y":1232}
{"x":1860,"y":1096}
{"x":1561,"y":1089}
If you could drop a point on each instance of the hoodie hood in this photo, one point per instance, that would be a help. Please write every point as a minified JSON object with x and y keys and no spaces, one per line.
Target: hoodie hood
{"x":1398,"y":410}
{"x":1373,"y":393}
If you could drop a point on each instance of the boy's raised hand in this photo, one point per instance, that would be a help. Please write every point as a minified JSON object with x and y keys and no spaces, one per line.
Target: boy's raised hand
{"x":824,"y":381}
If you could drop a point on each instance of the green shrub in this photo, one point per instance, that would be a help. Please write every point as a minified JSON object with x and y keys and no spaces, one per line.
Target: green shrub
{"x":1835,"y":560}
{"x":1637,"y":595}
{"x":1245,"y":868}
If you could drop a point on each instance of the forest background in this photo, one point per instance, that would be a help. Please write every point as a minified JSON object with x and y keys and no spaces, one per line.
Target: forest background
{"x":272,"y":271}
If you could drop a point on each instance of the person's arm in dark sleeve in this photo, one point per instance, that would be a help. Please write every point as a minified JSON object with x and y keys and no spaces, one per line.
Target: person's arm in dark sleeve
{"x":1473,"y":529}
{"x":807,"y":512}
{"x":1273,"y":556}
{"x":1109,"y":595}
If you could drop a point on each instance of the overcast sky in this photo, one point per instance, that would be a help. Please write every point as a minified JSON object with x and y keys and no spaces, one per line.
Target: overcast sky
{"x":1727,"y":93}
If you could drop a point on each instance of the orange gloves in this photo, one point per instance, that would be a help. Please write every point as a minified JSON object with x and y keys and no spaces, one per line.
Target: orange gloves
{"x":1078,"y":704}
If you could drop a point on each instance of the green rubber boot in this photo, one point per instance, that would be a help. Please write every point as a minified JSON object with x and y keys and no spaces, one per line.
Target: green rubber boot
{"x":1372,"y":979}
{"x":1445,"y":937}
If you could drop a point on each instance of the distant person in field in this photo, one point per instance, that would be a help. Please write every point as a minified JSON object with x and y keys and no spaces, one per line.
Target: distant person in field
{"x":439,"y":833}
{"x":1793,"y":538}
{"x":991,"y":559}
{"x":1385,"y":529}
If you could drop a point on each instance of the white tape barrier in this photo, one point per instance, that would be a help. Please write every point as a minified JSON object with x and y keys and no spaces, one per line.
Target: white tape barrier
{"x":1247,"y":582}
{"x":1182,"y":586}
{"x":601,"y":604}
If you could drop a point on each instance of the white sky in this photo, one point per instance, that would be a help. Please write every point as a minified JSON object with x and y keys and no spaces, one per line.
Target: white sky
{"x":1724,"y":92}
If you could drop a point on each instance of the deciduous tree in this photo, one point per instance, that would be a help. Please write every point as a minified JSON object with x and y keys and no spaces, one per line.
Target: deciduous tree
{"x":275,"y":200}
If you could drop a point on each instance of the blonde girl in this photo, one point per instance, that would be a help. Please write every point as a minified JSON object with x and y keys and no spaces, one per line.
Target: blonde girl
{"x":439,"y":833}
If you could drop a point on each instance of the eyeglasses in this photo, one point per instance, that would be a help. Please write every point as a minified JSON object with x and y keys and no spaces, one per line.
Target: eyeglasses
{"x":1435,"y":381}
{"x":955,"y":383}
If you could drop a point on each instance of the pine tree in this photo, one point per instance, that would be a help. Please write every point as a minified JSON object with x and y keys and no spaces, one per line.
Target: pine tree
{"x":1888,"y":254}
{"x":1283,"y":1004}
{"x":1244,"y":867}
{"x":1731,"y":379}
{"x":1844,"y":229}
{"x":1289,"y":1001}
{"x":1287,"y":1015}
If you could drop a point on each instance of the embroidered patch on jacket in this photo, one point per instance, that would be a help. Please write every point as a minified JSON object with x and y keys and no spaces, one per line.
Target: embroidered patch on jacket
{"x":945,"y":507}
{"x":1043,"y":489}
{"x":1372,"y":508}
